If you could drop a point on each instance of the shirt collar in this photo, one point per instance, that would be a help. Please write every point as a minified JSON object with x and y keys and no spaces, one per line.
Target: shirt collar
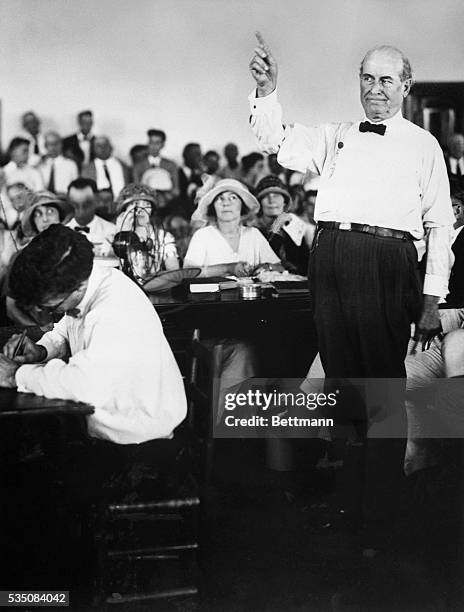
{"x":100,"y":162}
{"x":90,"y":225}
{"x":154,"y":160}
{"x":397,"y":118}
{"x":81,"y":136}
{"x":95,"y":280}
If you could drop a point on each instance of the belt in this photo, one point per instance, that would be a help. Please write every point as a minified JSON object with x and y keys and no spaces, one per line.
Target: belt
{"x":374,"y":230}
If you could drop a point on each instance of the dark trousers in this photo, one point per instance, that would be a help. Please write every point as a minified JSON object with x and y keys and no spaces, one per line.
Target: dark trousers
{"x":365,"y":293}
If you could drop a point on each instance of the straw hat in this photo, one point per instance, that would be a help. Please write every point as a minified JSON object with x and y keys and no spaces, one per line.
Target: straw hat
{"x":45,"y":198}
{"x":158,"y":179}
{"x":201,"y":212}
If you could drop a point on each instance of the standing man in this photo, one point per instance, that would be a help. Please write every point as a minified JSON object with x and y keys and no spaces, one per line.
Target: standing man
{"x":455,"y":161}
{"x":383,"y":185}
{"x":79,"y":147}
{"x":31,"y":127}
{"x":57,"y":171}
{"x":154,"y":159}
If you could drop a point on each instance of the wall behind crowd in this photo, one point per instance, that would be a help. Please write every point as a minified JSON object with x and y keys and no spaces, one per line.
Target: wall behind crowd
{"x":182,"y":65}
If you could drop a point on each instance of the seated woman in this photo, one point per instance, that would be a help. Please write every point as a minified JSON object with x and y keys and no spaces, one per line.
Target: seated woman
{"x":289,"y":236}
{"x":226,"y":245}
{"x":44,"y":209}
{"x":136,"y":207}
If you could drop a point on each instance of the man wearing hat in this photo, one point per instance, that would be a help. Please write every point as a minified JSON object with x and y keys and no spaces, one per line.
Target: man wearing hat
{"x":288,"y":235}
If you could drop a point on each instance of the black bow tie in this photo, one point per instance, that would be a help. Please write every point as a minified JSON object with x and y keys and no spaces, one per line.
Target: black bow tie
{"x":74,"y":312}
{"x":78,"y":228}
{"x":377,"y":128}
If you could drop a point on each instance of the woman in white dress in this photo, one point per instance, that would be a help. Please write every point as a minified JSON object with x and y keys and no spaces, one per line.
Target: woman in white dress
{"x":226,"y":245}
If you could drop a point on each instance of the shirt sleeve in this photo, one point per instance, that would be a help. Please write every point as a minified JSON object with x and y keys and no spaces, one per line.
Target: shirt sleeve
{"x":169,"y":245}
{"x":196,"y":252}
{"x":299,"y":148}
{"x":438,"y":220}
{"x":56,"y":341}
{"x":89,"y":376}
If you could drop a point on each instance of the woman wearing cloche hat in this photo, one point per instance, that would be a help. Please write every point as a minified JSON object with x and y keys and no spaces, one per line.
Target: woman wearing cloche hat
{"x":226,"y":245}
{"x":288,"y":235}
{"x":45,"y":209}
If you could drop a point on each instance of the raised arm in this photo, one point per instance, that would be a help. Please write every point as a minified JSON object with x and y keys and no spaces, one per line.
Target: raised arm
{"x":263,"y":68}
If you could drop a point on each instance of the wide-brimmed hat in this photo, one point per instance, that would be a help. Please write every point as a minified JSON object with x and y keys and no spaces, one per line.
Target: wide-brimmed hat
{"x":45,"y":198}
{"x":241,"y":190}
{"x":271,"y":184}
{"x":158,"y":179}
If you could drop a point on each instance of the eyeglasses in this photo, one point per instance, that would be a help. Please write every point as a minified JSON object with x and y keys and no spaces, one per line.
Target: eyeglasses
{"x":50,"y":309}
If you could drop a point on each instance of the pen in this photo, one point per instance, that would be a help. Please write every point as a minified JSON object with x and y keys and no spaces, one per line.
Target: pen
{"x":20,"y":344}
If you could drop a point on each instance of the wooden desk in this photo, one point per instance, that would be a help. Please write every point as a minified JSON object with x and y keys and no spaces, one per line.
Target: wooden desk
{"x":14,"y":404}
{"x":283,"y":326}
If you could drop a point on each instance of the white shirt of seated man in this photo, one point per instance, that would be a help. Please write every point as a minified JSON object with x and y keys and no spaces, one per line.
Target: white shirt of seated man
{"x":108,"y":350}
{"x":97,"y":230}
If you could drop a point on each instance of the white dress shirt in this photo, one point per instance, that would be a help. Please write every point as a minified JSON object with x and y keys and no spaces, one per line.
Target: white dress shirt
{"x":65,"y":171}
{"x":115,"y":171}
{"x":154,"y":161}
{"x":34,"y":158}
{"x":208,"y":247}
{"x":119,"y":362}
{"x":455,"y":163}
{"x":28,"y":175}
{"x":101,"y":234}
{"x":85,"y":144}
{"x":398,"y":180}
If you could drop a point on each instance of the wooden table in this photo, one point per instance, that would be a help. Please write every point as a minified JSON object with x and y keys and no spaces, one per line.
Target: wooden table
{"x":283,"y":323}
{"x":14,"y":404}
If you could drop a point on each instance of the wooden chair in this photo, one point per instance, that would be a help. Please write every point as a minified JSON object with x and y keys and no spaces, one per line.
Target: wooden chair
{"x":146,"y":540}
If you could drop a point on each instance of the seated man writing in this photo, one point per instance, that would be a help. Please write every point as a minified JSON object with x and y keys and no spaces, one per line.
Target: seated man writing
{"x":108,"y":348}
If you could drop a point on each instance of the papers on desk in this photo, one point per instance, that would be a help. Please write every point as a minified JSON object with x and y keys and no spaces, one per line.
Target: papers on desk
{"x":211,"y":284}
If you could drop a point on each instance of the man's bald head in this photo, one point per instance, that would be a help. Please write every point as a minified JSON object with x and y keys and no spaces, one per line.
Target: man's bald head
{"x":456,"y":145}
{"x":385,"y":80}
{"x":102,"y":147}
{"x":404,"y":66}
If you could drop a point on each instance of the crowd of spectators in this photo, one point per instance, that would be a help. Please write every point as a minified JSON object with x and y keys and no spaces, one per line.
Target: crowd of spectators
{"x":77,"y":180}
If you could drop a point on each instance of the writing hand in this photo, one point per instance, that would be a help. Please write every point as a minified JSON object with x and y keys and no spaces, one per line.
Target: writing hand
{"x":31,"y":352}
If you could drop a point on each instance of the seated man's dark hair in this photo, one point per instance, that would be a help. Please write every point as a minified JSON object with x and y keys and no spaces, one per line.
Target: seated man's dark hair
{"x":159,"y":133}
{"x":83,"y":183}
{"x":54,"y":263}
{"x":138,"y":148}
{"x":189,"y":147}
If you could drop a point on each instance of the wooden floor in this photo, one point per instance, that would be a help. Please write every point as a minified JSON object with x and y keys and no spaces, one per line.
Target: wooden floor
{"x":270,"y":542}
